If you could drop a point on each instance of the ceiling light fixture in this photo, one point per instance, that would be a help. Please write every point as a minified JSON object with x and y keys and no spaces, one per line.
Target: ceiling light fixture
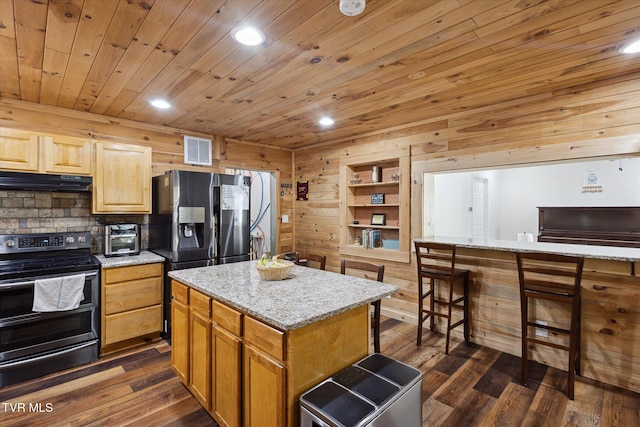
{"x":249,"y":36}
{"x":160,"y":103}
{"x":326,"y":121}
{"x":633,"y":47}
{"x":352,"y":7}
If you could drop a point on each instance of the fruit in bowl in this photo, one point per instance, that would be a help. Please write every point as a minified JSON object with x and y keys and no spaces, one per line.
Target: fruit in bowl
{"x":274,"y":268}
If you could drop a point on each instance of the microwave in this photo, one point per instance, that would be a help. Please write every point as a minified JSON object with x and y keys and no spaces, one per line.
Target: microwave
{"x":121,"y":239}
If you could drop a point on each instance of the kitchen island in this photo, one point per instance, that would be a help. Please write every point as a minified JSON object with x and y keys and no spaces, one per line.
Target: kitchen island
{"x":247,"y":348}
{"x":610,"y":304}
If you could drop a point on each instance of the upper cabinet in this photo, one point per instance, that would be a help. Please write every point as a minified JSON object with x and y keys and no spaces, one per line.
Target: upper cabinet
{"x":66,"y":155}
{"x":30,"y":152}
{"x":122,"y":178}
{"x":375,"y":207}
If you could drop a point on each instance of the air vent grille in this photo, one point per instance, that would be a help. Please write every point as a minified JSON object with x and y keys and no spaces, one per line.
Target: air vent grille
{"x":197,"y":151}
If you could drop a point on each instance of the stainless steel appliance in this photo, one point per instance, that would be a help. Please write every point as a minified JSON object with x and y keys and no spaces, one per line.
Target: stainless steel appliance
{"x":44,"y":182}
{"x":121,"y":239}
{"x":377,"y":391}
{"x":232,"y":218}
{"x":198,"y":219}
{"x":33,"y":344}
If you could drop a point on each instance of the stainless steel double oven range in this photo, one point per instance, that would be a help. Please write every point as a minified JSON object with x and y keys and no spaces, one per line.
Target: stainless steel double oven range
{"x":33,"y":344}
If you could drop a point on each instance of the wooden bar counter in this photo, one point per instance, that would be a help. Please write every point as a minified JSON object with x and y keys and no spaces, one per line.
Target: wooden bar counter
{"x":610,"y":305}
{"x":248,"y":348}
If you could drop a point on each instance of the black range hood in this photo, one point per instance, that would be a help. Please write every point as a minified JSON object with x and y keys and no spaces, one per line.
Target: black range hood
{"x":44,"y":182}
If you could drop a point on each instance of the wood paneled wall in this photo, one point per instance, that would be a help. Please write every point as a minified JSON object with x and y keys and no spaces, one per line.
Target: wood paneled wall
{"x":166,"y":143}
{"x":594,"y":120}
{"x":599,"y":119}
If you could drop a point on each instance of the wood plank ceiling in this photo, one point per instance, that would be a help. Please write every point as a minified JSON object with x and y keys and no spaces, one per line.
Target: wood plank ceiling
{"x":397,"y":63}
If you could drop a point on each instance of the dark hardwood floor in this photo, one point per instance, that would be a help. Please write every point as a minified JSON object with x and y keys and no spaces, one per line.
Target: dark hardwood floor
{"x":472,"y":386}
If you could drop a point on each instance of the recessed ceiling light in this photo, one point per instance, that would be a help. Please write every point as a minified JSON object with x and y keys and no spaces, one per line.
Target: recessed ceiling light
{"x":633,"y":47}
{"x":160,"y":103}
{"x":247,"y":35}
{"x":326,"y":121}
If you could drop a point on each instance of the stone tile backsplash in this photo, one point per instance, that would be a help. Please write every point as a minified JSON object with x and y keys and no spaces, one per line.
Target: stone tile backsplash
{"x":50,"y":211}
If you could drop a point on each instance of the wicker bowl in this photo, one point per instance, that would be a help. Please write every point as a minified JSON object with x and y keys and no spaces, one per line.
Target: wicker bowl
{"x":278,"y":272}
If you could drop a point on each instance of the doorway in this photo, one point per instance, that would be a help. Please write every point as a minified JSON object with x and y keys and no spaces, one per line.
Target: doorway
{"x":479,"y":207}
{"x":262,"y":211}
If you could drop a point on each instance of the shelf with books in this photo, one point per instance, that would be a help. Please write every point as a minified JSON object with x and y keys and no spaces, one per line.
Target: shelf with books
{"x":382,"y":207}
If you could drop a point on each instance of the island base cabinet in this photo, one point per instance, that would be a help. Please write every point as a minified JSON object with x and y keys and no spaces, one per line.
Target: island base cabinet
{"x":200,"y":359}
{"x":180,"y":332}
{"x":246,"y":372}
{"x":226,"y":387}
{"x":264,"y":390}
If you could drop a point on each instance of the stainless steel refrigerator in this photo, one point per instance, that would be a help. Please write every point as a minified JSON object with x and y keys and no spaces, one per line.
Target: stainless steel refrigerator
{"x":198,"y":219}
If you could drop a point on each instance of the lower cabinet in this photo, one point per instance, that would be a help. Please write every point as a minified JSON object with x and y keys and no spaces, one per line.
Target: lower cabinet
{"x":200,"y":348}
{"x":131,"y":305}
{"x":180,"y":332}
{"x":226,"y":366}
{"x":247,"y":373}
{"x":264,"y":390}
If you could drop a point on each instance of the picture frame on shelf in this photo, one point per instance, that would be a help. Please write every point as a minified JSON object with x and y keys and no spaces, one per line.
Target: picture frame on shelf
{"x":377,"y":199}
{"x":378,"y":219}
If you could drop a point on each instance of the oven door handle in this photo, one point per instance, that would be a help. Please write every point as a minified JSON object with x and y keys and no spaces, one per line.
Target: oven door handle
{"x":31,"y":283}
{"x":48,"y":355}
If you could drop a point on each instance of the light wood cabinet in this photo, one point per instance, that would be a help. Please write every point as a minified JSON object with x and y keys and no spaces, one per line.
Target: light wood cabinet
{"x":226,"y":387}
{"x":131,"y":305}
{"x":30,"y":152}
{"x":180,"y":331}
{"x":264,"y":390}
{"x":363,"y":201}
{"x":122,"y":179}
{"x":66,"y":155}
{"x":18,"y":150}
{"x":258,"y":372}
{"x":264,"y":374}
{"x":200,"y":347}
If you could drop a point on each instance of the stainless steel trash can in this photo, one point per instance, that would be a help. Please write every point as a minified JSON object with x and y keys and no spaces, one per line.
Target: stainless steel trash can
{"x":376,"y":391}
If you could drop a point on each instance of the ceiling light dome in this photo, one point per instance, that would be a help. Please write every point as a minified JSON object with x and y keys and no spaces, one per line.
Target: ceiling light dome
{"x":352,"y":7}
{"x":633,"y":47}
{"x":160,"y":103}
{"x":247,"y":35}
{"x":326,"y":121}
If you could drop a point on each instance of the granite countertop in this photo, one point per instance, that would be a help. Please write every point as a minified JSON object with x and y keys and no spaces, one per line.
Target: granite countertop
{"x":145,"y":257}
{"x":614,"y":253}
{"x":307,"y":296}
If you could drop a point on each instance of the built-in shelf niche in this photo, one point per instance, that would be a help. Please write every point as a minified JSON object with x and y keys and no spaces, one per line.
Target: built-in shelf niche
{"x":356,"y":207}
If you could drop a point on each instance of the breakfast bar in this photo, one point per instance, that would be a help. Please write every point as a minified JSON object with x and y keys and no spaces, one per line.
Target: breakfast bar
{"x":610,"y":304}
{"x":248,"y":348}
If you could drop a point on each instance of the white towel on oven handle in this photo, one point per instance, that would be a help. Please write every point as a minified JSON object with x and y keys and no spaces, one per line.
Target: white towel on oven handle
{"x":58,"y":293}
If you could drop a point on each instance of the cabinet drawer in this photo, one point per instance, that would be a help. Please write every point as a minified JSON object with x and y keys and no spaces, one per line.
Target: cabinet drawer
{"x":200,"y":302}
{"x":132,"y":324}
{"x":180,"y":292}
{"x":264,"y":337}
{"x":132,"y":295}
{"x":133,"y":272}
{"x":227,"y":318}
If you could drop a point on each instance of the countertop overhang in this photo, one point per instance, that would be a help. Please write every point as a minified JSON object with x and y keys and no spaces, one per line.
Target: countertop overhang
{"x":307,"y":296}
{"x":145,"y":257}
{"x":612,"y":253}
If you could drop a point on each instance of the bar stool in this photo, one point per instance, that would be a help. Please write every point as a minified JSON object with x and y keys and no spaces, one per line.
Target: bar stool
{"x":290,"y":256}
{"x":378,"y":269}
{"x":320,"y":260}
{"x":557,"y":278}
{"x":437,"y":261}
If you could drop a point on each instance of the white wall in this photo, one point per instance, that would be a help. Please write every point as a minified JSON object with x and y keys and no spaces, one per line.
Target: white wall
{"x":261,"y":215}
{"x":515,"y":194}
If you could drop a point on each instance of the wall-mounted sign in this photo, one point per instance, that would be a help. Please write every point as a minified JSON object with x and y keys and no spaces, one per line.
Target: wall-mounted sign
{"x":377,"y":199}
{"x":303,"y":190}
